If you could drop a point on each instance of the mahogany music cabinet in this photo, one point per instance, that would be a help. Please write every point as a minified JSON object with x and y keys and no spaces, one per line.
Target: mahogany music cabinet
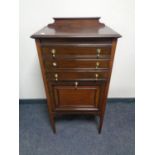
{"x":76,"y":57}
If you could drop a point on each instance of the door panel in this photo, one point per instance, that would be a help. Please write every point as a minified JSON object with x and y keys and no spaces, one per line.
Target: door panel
{"x":77,"y":95}
{"x":82,"y":96}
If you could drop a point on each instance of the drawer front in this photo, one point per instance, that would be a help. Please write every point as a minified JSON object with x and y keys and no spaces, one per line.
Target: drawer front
{"x":77,"y":63}
{"x":76,"y":95}
{"x":81,"y":75}
{"x":76,"y":52}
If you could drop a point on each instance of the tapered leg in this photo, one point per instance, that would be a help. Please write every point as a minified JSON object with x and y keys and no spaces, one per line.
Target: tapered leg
{"x":100,"y":123}
{"x":53,"y":123}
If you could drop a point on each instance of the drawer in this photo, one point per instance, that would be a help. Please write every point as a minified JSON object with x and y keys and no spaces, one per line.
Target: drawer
{"x":76,"y":52}
{"x":76,"y":95}
{"x":77,"y":75}
{"x":77,"y":63}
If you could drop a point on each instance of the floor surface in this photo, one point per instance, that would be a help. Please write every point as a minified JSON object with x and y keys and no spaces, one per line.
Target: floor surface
{"x":77,"y":135}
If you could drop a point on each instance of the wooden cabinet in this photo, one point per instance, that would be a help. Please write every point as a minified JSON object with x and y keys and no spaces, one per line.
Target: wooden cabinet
{"x":76,"y":57}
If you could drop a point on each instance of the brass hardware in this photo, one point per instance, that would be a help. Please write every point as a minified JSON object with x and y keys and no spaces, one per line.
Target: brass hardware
{"x":53,"y":51}
{"x":98,"y":52}
{"x":56,"y":77}
{"x":96,"y":75}
{"x":97,"y":64}
{"x":54,"y":64}
{"x":76,"y":84}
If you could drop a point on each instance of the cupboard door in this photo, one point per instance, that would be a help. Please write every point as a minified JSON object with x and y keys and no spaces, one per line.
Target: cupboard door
{"x":76,"y":96}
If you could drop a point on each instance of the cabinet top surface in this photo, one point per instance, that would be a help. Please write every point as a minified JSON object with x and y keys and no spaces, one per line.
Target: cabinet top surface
{"x":76,"y":28}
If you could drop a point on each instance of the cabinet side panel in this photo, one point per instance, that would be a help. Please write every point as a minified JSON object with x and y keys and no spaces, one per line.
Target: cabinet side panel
{"x":49,"y":99}
{"x":105,"y":93}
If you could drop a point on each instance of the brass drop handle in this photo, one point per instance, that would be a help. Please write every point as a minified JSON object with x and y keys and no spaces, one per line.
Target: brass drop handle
{"x":53,"y":51}
{"x":96,"y":76}
{"x":98,"y":52}
{"x":54,"y":64}
{"x":76,"y":84}
{"x":56,"y":77}
{"x":97,"y":64}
